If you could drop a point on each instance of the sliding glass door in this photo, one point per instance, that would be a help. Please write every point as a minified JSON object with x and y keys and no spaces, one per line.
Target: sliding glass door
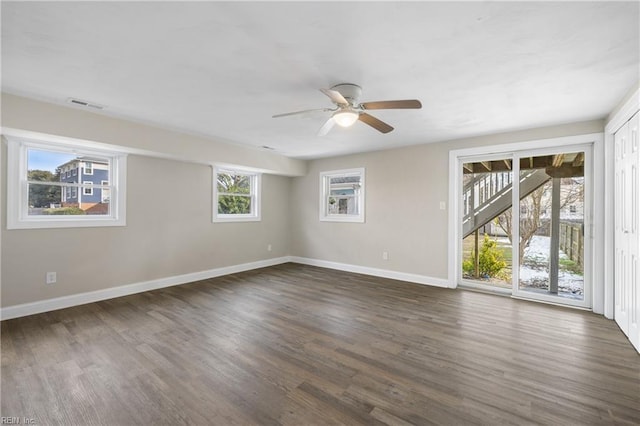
{"x":551,"y":227}
{"x":539,"y":249}
{"x":486,"y":241}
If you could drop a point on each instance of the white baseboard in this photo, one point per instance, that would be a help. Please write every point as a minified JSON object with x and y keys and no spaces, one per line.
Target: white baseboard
{"x":125,"y":290}
{"x":47,"y":305}
{"x":384,"y":273}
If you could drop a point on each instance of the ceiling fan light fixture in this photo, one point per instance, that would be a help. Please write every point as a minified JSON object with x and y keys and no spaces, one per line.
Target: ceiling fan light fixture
{"x":345,"y":118}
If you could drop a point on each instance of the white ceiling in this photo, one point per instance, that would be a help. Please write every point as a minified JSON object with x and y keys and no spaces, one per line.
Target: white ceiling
{"x":222,"y":69}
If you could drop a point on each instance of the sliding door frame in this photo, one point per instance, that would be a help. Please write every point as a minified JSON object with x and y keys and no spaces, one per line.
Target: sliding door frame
{"x":460,"y":213}
{"x":588,"y":227}
{"x":594,"y":237}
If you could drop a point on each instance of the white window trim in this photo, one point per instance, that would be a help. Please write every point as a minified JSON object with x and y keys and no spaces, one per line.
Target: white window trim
{"x":324,"y":187}
{"x":17,"y":215}
{"x":255,"y":194}
{"x":84,"y":169}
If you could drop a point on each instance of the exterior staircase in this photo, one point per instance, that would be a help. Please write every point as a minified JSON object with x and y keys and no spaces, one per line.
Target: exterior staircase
{"x":488,"y":196}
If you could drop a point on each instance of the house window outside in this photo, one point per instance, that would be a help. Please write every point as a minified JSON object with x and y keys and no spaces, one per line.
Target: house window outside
{"x":41,"y":193}
{"x":88,"y":168}
{"x":236,"y":195}
{"x":105,"y":195}
{"x":342,"y":195}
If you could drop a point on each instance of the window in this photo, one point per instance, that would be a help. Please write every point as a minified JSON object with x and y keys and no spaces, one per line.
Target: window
{"x":236,"y":195}
{"x":88,"y":168}
{"x":41,"y":195}
{"x":342,"y":195}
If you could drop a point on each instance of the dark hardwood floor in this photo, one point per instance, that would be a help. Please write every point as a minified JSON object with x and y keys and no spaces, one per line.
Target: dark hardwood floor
{"x":300,"y":345}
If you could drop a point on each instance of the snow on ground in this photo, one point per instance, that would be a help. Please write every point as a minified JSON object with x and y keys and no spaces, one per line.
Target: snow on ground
{"x":534,"y":273}
{"x":535,"y":269}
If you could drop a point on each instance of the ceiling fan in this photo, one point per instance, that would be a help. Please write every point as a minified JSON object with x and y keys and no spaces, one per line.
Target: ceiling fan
{"x":348,"y":109}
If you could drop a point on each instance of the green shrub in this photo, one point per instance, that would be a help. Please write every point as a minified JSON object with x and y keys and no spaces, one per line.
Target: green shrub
{"x":64,"y":211}
{"x":490,"y":261}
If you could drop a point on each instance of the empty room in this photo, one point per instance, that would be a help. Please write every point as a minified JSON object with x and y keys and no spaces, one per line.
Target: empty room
{"x":320,"y":213}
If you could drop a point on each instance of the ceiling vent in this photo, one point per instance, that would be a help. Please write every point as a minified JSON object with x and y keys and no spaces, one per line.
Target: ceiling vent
{"x":85,"y":104}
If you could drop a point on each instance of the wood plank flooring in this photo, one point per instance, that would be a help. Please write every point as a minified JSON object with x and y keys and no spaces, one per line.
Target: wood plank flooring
{"x":300,"y":345}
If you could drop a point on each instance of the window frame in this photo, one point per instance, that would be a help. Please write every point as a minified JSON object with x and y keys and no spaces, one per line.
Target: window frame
{"x":17,"y":185}
{"x":255,"y":185}
{"x":325,"y":185}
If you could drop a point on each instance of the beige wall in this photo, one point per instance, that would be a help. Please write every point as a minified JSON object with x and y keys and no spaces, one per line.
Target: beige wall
{"x":27,"y":114}
{"x":403,"y":190}
{"x":169,"y":232}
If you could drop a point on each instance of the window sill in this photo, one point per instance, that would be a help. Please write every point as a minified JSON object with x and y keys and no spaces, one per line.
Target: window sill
{"x":349,"y":219}
{"x":223,"y":219}
{"x":64,"y":223}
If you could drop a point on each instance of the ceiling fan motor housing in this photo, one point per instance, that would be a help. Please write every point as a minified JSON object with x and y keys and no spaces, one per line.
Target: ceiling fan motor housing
{"x":351,"y":92}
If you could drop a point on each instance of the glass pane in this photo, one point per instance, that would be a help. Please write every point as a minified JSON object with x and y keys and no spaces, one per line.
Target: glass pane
{"x":43,"y":165}
{"x":551,"y":225}
{"x":345,"y":181}
{"x":344,"y":195}
{"x":105,"y":196}
{"x":345,"y":205}
{"x":66,"y":201}
{"x":234,"y":204}
{"x":571,"y":245}
{"x":51,"y":166}
{"x":44,"y":196}
{"x":486,"y":242}
{"x":535,"y":235}
{"x":234,"y":184}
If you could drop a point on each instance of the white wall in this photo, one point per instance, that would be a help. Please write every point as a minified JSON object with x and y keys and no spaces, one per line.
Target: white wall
{"x":404,"y":188}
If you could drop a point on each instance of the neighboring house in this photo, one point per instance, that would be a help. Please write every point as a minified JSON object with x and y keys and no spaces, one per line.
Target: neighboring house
{"x":85,"y":171}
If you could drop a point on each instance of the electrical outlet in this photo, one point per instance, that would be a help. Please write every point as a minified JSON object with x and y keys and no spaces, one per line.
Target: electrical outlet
{"x":385,"y":255}
{"x":443,"y":205}
{"x":51,"y":278}
{"x":269,"y":247}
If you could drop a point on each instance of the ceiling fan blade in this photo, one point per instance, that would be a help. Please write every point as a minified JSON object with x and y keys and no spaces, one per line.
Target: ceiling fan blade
{"x":336,"y":97}
{"x":379,"y":125}
{"x":405,"y":104}
{"x":306,"y":111}
{"x":326,"y":127}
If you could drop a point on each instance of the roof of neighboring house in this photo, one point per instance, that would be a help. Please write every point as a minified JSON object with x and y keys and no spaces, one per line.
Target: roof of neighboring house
{"x":346,"y":179}
{"x":89,"y":159}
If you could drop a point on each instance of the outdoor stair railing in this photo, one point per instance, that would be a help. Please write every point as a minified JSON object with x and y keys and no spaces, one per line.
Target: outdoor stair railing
{"x":488,"y":196}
